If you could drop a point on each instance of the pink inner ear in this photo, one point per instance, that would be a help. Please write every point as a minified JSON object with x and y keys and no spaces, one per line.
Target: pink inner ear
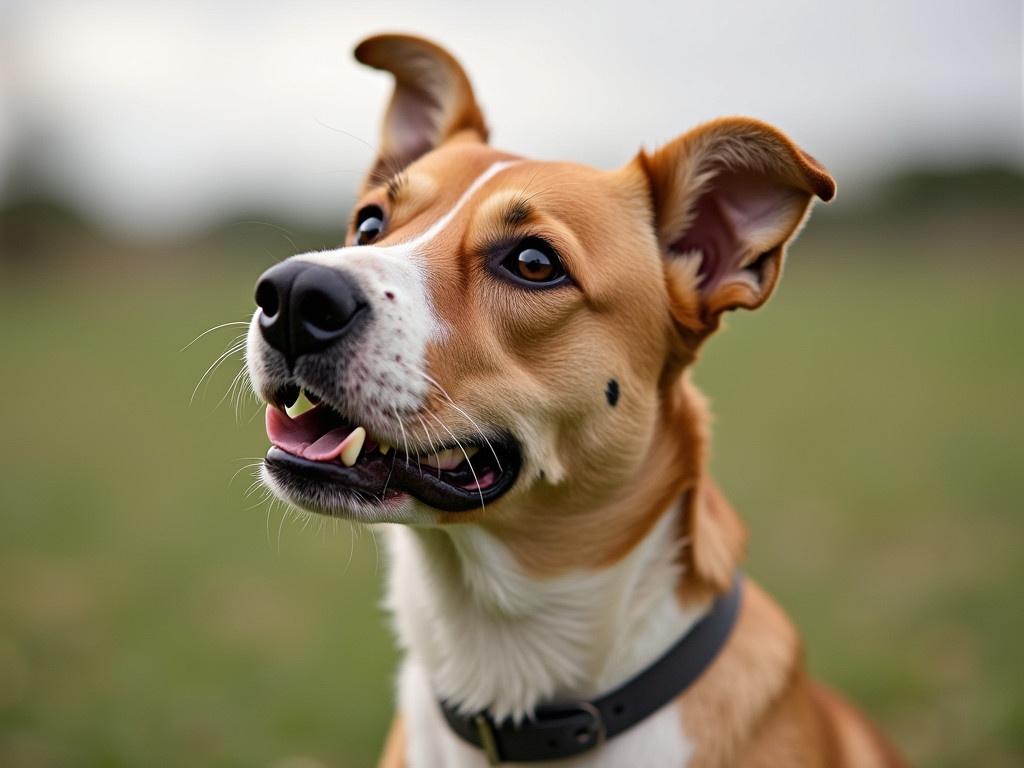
{"x":712,"y":234}
{"x":412,"y":127}
{"x":739,"y":215}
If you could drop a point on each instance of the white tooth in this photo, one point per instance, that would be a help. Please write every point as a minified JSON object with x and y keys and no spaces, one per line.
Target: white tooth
{"x":447,"y":459}
{"x":353,"y":445}
{"x":300,"y":407}
{"x":432,"y":460}
{"x":383,"y":448}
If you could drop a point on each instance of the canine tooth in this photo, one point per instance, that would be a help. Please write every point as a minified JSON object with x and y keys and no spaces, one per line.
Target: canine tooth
{"x":353,"y":445}
{"x":300,"y":406}
{"x":383,"y":448}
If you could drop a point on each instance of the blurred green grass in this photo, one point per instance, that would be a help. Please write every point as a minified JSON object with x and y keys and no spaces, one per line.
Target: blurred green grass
{"x":867,"y":428}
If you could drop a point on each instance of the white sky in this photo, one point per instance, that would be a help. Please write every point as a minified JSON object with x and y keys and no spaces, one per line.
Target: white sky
{"x":160,"y":117}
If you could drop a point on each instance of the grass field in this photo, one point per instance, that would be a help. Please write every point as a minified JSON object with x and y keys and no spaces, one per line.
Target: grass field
{"x":868,"y":429}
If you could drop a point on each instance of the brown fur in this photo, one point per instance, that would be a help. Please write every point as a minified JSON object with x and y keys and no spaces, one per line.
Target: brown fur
{"x":598,"y":478}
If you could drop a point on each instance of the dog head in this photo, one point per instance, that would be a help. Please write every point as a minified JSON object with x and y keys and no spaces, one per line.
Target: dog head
{"x":504,"y":341}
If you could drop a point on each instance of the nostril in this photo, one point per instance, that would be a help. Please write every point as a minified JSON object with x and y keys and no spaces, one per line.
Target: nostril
{"x":322,"y":312}
{"x":267,"y":298}
{"x":305,"y":307}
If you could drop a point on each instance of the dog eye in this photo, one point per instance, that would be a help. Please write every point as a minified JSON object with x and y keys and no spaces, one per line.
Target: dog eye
{"x":369,"y":224}
{"x":535,"y":262}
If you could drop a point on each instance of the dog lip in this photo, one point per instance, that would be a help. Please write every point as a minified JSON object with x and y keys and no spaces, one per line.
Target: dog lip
{"x":386,"y":477}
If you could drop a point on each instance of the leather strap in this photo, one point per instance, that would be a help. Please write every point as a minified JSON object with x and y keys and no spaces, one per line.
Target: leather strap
{"x":572,"y":728}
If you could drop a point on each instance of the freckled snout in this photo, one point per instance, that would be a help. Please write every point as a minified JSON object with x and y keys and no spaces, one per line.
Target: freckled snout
{"x":306,"y":307}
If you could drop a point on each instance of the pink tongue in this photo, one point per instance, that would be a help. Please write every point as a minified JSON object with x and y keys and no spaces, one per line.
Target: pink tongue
{"x":328,"y":447}
{"x":304,"y":436}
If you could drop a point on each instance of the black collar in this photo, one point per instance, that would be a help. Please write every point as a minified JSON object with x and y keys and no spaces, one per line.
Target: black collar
{"x":571,"y":728}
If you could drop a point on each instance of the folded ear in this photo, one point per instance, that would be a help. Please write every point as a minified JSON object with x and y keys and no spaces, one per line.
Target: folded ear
{"x":728,"y":196}
{"x":432,"y":100}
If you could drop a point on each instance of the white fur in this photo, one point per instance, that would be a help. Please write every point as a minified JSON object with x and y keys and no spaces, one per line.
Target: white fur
{"x":387,"y":364}
{"x":481,"y":633}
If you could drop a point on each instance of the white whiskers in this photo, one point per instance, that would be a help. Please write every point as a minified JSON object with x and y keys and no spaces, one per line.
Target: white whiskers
{"x":433,"y":382}
{"x":479,"y":490}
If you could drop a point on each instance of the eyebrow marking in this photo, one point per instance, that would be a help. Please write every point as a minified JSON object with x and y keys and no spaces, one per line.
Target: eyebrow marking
{"x":517,"y":211}
{"x":396,"y":184}
{"x":408,"y":247}
{"x":435,"y":229}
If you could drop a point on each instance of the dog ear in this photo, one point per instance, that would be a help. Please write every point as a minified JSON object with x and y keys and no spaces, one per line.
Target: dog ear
{"x":432,"y":100}
{"x":728,"y":195}
{"x":717,"y":537}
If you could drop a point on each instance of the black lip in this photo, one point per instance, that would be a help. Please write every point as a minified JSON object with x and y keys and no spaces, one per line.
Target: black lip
{"x":380,"y":478}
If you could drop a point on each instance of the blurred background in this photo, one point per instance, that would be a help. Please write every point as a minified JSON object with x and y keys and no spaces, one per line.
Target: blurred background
{"x":156,"y":157}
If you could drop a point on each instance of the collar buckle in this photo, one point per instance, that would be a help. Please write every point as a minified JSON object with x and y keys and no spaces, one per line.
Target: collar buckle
{"x":589,"y":736}
{"x":596,"y":733}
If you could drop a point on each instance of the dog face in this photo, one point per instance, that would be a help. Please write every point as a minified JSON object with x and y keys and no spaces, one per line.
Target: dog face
{"x":504,"y":341}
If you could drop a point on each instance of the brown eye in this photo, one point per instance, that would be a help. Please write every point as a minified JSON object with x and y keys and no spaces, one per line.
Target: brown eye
{"x":369,"y":225}
{"x":535,"y":263}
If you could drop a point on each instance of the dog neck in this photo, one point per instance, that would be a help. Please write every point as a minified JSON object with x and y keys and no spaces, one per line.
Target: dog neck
{"x":492,"y":635}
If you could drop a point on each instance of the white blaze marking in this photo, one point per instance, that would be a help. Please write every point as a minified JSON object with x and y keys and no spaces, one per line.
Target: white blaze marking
{"x":436,"y":228}
{"x":405,"y":323}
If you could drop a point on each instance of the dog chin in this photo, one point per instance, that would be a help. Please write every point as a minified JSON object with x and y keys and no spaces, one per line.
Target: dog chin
{"x":342,"y":503}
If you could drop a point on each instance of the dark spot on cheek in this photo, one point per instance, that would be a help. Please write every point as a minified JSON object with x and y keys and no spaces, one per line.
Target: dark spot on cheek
{"x":612,"y":392}
{"x":390,"y":296}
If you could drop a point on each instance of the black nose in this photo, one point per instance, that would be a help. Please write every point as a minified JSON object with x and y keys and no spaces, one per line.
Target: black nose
{"x":306,"y":307}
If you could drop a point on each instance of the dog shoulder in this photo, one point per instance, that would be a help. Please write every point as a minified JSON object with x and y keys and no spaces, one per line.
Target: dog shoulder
{"x":757,"y":707}
{"x":854,"y":740}
{"x":761,"y":663}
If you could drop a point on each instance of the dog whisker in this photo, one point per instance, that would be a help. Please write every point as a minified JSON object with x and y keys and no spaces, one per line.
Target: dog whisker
{"x":404,"y":440}
{"x":228,"y":395}
{"x":285,"y":233}
{"x":431,"y":380}
{"x":235,"y":348}
{"x":242,"y":469}
{"x":251,"y":489}
{"x":211,"y":330}
{"x":384,"y":493}
{"x":351,"y":542}
{"x":430,"y":440}
{"x":479,"y":490}
{"x":245,"y":390}
{"x":267,"y":496}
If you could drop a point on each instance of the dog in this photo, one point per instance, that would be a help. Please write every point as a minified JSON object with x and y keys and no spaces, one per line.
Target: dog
{"x":494,"y":371}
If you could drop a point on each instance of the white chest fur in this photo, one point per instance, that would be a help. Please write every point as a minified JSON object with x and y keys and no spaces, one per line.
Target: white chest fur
{"x":480,"y":632}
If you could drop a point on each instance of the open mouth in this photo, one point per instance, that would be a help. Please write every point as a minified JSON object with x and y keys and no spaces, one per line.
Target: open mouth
{"x":314,"y":446}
